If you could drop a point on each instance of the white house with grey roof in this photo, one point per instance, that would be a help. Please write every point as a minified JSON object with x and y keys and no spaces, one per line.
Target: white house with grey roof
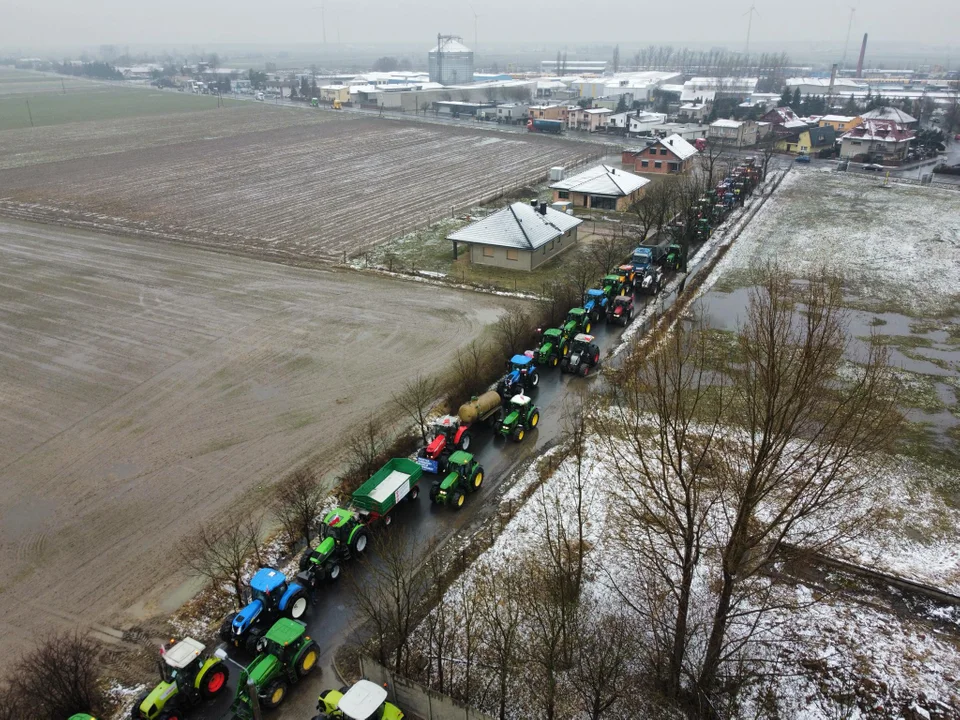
{"x":601,"y":187}
{"x":521,"y":236}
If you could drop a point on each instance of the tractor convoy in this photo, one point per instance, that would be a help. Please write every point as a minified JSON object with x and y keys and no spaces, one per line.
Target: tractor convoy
{"x":269,"y":627}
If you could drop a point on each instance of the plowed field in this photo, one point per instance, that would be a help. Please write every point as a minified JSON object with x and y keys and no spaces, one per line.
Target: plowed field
{"x":305,"y":187}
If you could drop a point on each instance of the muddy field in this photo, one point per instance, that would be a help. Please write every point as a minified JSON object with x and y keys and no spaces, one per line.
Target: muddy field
{"x":324,"y":187}
{"x":148,"y":387}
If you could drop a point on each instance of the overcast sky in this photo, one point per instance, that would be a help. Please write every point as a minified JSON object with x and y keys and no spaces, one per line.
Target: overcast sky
{"x":26,"y":23}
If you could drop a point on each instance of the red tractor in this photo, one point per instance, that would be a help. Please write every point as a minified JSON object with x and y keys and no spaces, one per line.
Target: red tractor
{"x":449,"y":435}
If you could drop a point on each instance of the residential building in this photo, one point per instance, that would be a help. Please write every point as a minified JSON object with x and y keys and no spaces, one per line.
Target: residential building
{"x":733,"y":133}
{"x":521,"y":236}
{"x":602,"y":187}
{"x":635,"y":121}
{"x":688,"y":131}
{"x":669,"y":155}
{"x":696,"y":112}
{"x":882,"y":141}
{"x":840,"y":123}
{"x":548,"y":112}
{"x":589,"y":119}
{"x":335,"y":93}
{"x":784,"y":118}
{"x":809,"y":141}
{"x":892,"y":114}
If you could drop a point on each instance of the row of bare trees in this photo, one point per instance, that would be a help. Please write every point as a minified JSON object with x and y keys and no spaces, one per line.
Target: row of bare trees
{"x":712,"y":462}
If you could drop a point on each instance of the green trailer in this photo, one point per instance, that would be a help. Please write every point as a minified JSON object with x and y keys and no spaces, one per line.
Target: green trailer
{"x":398,"y":479}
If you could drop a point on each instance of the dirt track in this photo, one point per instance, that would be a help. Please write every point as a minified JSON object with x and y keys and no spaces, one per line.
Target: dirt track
{"x":148,"y":386}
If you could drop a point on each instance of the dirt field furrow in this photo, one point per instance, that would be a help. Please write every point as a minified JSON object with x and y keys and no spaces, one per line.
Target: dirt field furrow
{"x":314,"y":191}
{"x":148,"y":387}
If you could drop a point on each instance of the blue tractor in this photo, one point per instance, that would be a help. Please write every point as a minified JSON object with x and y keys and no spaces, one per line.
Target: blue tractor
{"x":271,"y":597}
{"x":595,"y":303}
{"x":649,"y":276}
{"x":521,"y":376}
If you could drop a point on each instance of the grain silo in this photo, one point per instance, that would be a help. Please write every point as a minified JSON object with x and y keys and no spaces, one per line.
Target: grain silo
{"x":450,"y":62}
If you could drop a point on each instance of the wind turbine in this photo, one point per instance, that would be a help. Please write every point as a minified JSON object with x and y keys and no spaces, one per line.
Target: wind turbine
{"x":475,"y":23}
{"x":751,"y":12}
{"x":846,"y":42}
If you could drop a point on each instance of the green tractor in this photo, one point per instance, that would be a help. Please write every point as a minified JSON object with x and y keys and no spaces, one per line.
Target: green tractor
{"x":522,"y":415}
{"x":464,"y":475}
{"x":364,"y":701}
{"x":613,"y":286}
{"x":287,"y":655}
{"x":676,"y":258}
{"x":188,"y":677}
{"x":553,"y":346}
{"x":578,"y":321}
{"x":344,"y":536}
{"x":81,"y":716}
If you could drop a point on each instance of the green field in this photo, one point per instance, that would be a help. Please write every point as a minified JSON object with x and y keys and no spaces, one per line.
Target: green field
{"x":55,"y":100}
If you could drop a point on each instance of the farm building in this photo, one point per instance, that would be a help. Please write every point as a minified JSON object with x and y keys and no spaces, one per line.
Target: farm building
{"x":671,"y":155}
{"x":518,"y":237}
{"x":450,"y":62}
{"x":602,"y":187}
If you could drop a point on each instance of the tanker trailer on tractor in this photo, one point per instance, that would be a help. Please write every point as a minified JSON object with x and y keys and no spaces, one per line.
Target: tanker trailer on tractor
{"x":454,"y":432}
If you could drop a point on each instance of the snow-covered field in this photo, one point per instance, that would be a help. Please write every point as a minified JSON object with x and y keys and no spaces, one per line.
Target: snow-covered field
{"x":898,"y":247}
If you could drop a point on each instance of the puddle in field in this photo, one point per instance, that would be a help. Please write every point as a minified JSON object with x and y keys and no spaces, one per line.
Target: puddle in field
{"x":263,"y":392}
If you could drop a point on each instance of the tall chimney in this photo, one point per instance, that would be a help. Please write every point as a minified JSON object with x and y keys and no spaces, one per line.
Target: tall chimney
{"x":863,"y":50}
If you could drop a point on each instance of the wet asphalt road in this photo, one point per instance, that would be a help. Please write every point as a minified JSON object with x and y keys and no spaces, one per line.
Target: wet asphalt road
{"x":333,"y":619}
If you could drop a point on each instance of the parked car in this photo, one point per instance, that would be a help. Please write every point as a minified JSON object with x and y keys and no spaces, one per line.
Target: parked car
{"x":874,"y":167}
{"x":802,"y":159}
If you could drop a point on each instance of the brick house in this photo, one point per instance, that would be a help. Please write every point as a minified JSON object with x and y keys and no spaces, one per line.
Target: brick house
{"x":670,"y":155}
{"x":589,"y":119}
{"x":602,"y":187}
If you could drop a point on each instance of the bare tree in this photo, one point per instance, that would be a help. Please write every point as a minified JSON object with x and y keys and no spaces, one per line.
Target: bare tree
{"x":609,"y":251}
{"x":470,"y":368}
{"x":653,"y":208}
{"x":607,"y":642}
{"x":806,"y":448}
{"x":440,"y":629}
{"x":62,"y":679}
{"x":665,"y":414}
{"x":711,"y":162}
{"x":513,"y":331}
{"x":387,"y":592}
{"x":296,"y":503}
{"x":221,"y":553}
{"x":365,"y":447}
{"x":500,"y":595}
{"x":416,"y":398}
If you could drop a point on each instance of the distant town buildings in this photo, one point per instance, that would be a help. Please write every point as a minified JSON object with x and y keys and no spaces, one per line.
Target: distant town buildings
{"x":450,"y":62}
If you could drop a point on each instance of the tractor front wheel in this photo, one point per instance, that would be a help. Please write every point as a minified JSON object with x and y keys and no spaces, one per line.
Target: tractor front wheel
{"x":333,"y":572}
{"x":275,"y":694}
{"x":554,"y":361}
{"x":387,"y":519}
{"x":534,"y":379}
{"x":226,"y":628}
{"x":215,"y":681}
{"x":457,"y":499}
{"x":360,"y":541}
{"x":584,"y":369}
{"x":465,"y":442}
{"x":586,"y":328}
{"x":535,"y":418}
{"x":518,"y":435}
{"x":434,"y":489}
{"x":135,"y":710}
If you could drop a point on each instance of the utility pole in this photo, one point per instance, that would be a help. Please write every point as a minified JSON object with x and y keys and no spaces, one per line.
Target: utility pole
{"x":30,"y":114}
{"x":323,"y":20}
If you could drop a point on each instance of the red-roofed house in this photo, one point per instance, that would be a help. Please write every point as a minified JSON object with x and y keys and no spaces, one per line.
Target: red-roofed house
{"x":671,"y":155}
{"x":883,"y":141}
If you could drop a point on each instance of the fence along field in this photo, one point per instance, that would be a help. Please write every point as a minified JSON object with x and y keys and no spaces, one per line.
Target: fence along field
{"x":309,"y":192}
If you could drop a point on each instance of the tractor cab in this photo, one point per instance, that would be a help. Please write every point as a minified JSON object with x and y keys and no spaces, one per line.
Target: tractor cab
{"x":337,"y":525}
{"x":364,"y":701}
{"x":584,"y":354}
{"x":622,"y":304}
{"x":595,"y":303}
{"x":612,"y":286}
{"x":626,"y":275}
{"x":553,"y":346}
{"x":267,"y":586}
{"x":582,"y":342}
{"x":283,"y":639}
{"x":642,"y":258}
{"x":521,"y":375}
{"x":180,"y":662}
{"x":445,"y":435}
{"x":187,"y":677}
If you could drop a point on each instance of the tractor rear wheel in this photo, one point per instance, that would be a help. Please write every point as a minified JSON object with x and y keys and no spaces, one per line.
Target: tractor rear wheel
{"x":586,"y":328}
{"x":360,"y":541}
{"x":308,"y":660}
{"x":275,"y":694}
{"x":457,"y":499}
{"x":215,"y":681}
{"x":584,"y":369}
{"x":554,"y":360}
{"x":171,"y":715}
{"x":297,"y":606}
